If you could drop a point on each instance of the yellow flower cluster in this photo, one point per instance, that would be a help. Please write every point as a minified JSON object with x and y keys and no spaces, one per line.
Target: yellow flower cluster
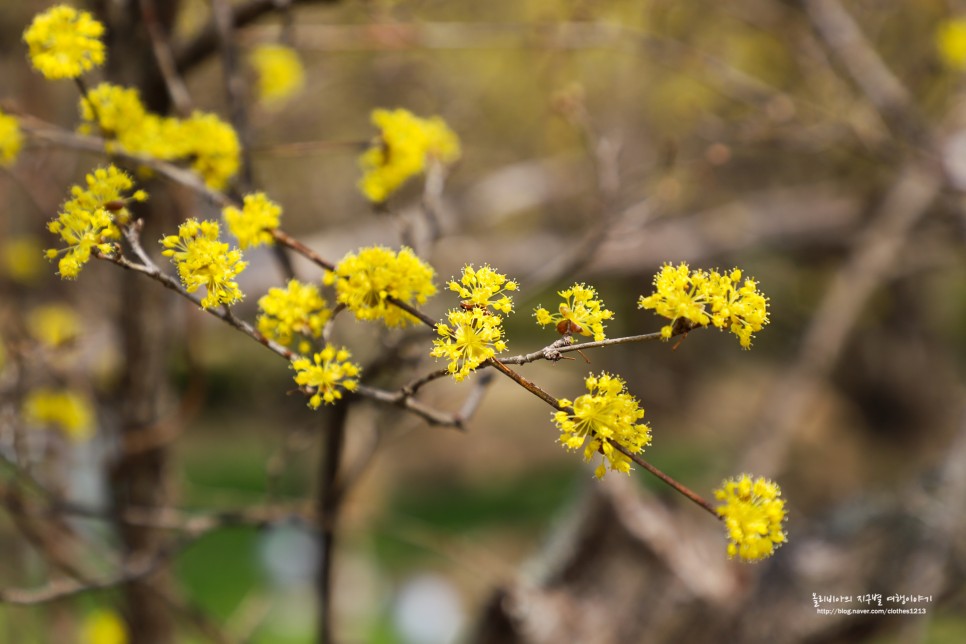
{"x":479,"y":287}
{"x":203,"y":260}
{"x":53,"y":325}
{"x":365,"y":281}
{"x":11,"y":139}
{"x":297,"y":310}
{"x":118,"y":113}
{"x":65,"y":42}
{"x":472,"y":334}
{"x":605,"y":416}
{"x":213,"y":147}
{"x":89,"y":221}
{"x":326,"y":375}
{"x":753,"y":513}
{"x":405,"y":145}
{"x":251,"y":224}
{"x":951,"y":42}
{"x":703,"y":298}
{"x":279,"y":72}
{"x":65,"y":410}
{"x":580,"y":312}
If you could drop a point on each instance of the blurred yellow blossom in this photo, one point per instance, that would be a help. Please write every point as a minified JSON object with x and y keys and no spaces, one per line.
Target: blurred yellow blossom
{"x":89,"y":221}
{"x":60,"y":409}
{"x":203,"y":139}
{"x":21,"y":258}
{"x":326,"y":375}
{"x":753,"y":513}
{"x":204,"y":260}
{"x":580,"y":312}
{"x":279,"y":72}
{"x":365,"y":281}
{"x":103,"y":627}
{"x":405,"y":144}
{"x":951,"y":42}
{"x":605,"y":416}
{"x":115,"y":112}
{"x":65,"y":42}
{"x":213,"y":146}
{"x":53,"y":324}
{"x":11,"y":139}
{"x":252,"y":223}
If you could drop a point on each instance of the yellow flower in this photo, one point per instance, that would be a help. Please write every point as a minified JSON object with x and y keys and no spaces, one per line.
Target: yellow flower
{"x":703,"y":298}
{"x":61,"y":409}
{"x":203,"y":260}
{"x":605,"y":416}
{"x":53,"y":324}
{"x":951,"y":42}
{"x":114,"y":111}
{"x":326,"y":375}
{"x":65,"y":42}
{"x":103,"y":627}
{"x":297,"y":310}
{"x":213,"y":145}
{"x":203,"y":138}
{"x":470,"y":338}
{"x":279,"y":71}
{"x":89,"y":221}
{"x":21,"y":258}
{"x":753,"y":513}
{"x":11,"y":139}
{"x":479,"y":287}
{"x":405,"y":145}
{"x":580,"y":312}
{"x":364,"y":281}
{"x":251,"y":224}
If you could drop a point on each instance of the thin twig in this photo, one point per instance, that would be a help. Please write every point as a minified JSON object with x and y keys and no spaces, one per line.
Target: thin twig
{"x":684,"y":490}
{"x":287,"y":240}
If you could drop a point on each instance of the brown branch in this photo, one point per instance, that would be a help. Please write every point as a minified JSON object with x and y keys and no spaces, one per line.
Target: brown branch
{"x":678,"y":487}
{"x":526,"y":384}
{"x":287,"y":240}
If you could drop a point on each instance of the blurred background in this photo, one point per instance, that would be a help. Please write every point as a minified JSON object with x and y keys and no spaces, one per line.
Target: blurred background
{"x":817,"y":145}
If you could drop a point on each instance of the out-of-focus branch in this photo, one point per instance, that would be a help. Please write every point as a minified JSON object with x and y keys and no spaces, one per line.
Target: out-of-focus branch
{"x":223,"y":15}
{"x":328,"y":504}
{"x":161,"y":46}
{"x":45,"y":132}
{"x":205,"y":42}
{"x":843,"y":37}
{"x":868,"y":266}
